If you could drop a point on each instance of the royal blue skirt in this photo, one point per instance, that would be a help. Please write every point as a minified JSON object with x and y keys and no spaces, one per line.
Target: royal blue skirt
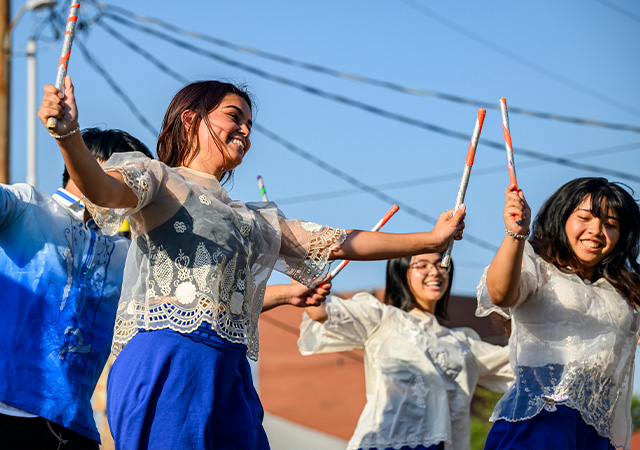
{"x":562,"y":429}
{"x":168,"y":390}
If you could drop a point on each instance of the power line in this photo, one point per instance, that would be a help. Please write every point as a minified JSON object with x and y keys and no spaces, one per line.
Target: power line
{"x":341,"y":193}
{"x":372,"y":190}
{"x":375,"y":110}
{"x":625,"y":12}
{"x":306,"y":155}
{"x":110,"y":81}
{"x":360,"y":78}
{"x":479,"y":39}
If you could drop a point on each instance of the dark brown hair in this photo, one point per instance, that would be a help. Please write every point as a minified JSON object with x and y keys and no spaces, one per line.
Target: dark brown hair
{"x":176,"y":142}
{"x":549,"y":237}
{"x":398,"y":293}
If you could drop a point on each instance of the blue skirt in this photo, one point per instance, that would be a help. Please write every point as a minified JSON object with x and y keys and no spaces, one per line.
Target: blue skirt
{"x":168,"y":390}
{"x":563,"y":429}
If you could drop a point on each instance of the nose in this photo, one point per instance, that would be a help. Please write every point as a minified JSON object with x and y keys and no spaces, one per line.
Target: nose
{"x":596,"y":226}
{"x":245,"y":130}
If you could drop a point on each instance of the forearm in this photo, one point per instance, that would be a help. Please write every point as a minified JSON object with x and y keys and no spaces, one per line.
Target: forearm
{"x":318,"y":313}
{"x":370,"y":245}
{"x":275,"y":295}
{"x":503,"y":276}
{"x":107,"y":190}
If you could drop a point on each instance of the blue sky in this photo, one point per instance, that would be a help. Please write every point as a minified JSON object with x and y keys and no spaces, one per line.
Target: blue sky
{"x":575,"y":58}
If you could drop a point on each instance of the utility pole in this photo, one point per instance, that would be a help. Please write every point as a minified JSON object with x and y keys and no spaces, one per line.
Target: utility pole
{"x":5,"y":92}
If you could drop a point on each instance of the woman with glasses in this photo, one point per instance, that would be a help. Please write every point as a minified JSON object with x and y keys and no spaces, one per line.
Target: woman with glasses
{"x":420,"y":375}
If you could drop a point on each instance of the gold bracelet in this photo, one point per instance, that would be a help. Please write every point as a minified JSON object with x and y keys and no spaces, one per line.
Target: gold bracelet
{"x":66,"y":135}
{"x":520,"y":237}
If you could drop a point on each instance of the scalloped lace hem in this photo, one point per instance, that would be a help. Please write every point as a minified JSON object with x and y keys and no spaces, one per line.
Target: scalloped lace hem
{"x":398,"y":445}
{"x":124,"y":334}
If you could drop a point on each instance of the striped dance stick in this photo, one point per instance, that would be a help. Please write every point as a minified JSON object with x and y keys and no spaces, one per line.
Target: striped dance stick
{"x":464,"y":182}
{"x":69,"y":34}
{"x":394,"y":209}
{"x":507,"y":144}
{"x":263,"y":191}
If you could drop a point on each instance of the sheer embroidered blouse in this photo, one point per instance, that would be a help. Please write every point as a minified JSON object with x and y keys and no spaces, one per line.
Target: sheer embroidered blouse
{"x":420,"y":376}
{"x":572,"y":342}
{"x":198,"y":256}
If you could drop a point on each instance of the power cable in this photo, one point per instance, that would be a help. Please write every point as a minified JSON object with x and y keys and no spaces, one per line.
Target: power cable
{"x":360,"y":78}
{"x":341,"y":193}
{"x":479,"y":39}
{"x":378,"y":111}
{"x":372,"y":190}
{"x":125,"y":98}
{"x":625,"y":12}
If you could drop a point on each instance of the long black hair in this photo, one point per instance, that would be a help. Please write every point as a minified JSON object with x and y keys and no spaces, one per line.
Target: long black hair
{"x":549,"y":237}
{"x":398,"y":293}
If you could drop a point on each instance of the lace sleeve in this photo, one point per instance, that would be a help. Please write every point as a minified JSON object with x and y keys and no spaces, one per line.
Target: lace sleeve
{"x":305,"y":250}
{"x":348,"y":327}
{"x":529,"y":280}
{"x":133,"y":168}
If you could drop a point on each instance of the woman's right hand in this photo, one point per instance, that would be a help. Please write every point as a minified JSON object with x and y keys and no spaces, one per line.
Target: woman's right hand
{"x":516,"y":205}
{"x":449,"y":226}
{"x":61,"y":106}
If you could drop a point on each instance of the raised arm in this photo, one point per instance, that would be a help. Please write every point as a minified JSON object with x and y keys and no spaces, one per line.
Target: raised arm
{"x":503,"y":276}
{"x":370,"y":245}
{"x":102,"y":188}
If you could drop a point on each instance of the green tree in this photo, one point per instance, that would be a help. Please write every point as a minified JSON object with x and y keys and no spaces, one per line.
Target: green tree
{"x":482,"y":406}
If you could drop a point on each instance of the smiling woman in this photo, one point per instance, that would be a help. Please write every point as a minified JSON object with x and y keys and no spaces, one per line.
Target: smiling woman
{"x":420,"y":375}
{"x":573,"y":294}
{"x":195,"y":281}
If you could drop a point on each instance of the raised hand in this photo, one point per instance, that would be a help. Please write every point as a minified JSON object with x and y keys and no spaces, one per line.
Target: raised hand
{"x":516,"y":205}
{"x":61,"y":106}
{"x":449,"y":226}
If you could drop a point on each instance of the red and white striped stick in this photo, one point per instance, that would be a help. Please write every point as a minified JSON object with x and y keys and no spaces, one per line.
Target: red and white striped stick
{"x":464,"y":181}
{"x":507,"y":143}
{"x":69,"y":34}
{"x":394,"y":209}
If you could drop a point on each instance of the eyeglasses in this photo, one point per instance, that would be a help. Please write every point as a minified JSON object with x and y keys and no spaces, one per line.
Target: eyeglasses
{"x":424,"y":268}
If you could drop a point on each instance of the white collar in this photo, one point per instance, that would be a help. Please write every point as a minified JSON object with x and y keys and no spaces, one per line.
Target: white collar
{"x":73,"y":203}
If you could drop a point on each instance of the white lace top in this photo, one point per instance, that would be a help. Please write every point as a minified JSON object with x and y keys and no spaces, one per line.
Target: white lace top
{"x":198,"y":256}
{"x":420,"y":376}
{"x":572,"y":342}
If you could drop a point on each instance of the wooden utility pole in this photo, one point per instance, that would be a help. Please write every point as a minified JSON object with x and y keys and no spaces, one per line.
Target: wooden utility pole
{"x":5,"y":91}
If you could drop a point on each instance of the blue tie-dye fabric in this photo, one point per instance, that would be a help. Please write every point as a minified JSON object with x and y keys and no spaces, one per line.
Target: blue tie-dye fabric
{"x":59,"y":288}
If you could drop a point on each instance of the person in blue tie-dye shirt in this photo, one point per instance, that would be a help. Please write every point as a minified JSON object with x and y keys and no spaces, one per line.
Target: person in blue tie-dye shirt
{"x":60,"y":281}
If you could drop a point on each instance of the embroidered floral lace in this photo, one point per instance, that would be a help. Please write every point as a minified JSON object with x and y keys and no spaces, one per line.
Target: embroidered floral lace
{"x":198,"y":256}
{"x":420,"y":376}
{"x":572,"y":343}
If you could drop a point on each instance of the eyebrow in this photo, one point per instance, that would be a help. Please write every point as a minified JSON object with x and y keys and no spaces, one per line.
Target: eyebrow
{"x":591,"y":212}
{"x":249,"y":121}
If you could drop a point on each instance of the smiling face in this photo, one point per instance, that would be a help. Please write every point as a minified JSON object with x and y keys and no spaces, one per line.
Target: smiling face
{"x":223,"y":144}
{"x":428,"y":280}
{"x":591,"y":238}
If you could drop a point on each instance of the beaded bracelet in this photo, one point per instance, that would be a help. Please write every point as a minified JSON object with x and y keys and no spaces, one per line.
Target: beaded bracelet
{"x":66,"y":135}
{"x":520,"y":237}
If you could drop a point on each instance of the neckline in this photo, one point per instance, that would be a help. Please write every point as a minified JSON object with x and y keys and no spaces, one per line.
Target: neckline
{"x":197,"y":172}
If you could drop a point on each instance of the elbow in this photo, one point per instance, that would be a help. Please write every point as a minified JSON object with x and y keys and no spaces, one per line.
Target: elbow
{"x":502,"y":298}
